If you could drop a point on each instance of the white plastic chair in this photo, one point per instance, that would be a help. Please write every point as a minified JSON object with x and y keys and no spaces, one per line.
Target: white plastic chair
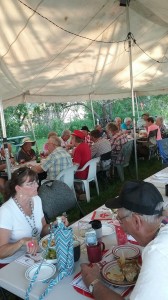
{"x":92,"y":176}
{"x":67,"y":176}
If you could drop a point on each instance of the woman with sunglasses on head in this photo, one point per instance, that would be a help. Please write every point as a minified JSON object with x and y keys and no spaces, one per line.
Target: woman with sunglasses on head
{"x":22,"y":220}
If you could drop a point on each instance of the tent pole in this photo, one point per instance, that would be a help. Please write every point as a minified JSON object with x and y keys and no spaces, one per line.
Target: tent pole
{"x":136,"y":99}
{"x":132,"y":87}
{"x":91,"y":103}
{"x":8,"y":164}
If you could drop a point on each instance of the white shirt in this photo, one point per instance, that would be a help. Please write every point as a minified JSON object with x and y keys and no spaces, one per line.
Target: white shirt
{"x":152,"y":283}
{"x":13,"y":219}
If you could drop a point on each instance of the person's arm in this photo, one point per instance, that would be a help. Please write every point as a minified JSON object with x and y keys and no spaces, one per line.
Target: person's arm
{"x":2,"y":167}
{"x":100,"y":291}
{"x":8,"y":249}
{"x":36,"y":168}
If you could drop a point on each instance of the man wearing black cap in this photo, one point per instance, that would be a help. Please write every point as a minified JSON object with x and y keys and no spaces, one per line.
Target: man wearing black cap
{"x":140,"y":212}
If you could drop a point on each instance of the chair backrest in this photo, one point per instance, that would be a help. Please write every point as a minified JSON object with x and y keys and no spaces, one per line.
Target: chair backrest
{"x":92,"y":164}
{"x":126,"y":152}
{"x":105,"y":161}
{"x":152,"y":137}
{"x":105,"y":156}
{"x":57,"y":197}
{"x":163,"y":150}
{"x":67,"y":176}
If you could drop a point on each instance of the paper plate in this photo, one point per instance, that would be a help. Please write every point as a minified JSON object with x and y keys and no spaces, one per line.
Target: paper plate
{"x":128,"y":251}
{"x":107,"y":229}
{"x":47,"y":270}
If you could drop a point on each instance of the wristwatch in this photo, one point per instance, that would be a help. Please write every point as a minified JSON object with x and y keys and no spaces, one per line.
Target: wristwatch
{"x":91,"y":286}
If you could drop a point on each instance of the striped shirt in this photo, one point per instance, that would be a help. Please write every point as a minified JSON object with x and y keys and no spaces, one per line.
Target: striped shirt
{"x":55,"y":162}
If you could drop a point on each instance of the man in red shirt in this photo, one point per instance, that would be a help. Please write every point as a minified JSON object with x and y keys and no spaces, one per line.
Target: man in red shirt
{"x":82,"y":153}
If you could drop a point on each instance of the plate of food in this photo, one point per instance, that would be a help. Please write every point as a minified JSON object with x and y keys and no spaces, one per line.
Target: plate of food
{"x":43,"y":243}
{"x":126,"y":251}
{"x":49,"y":256}
{"x":124,"y":274}
{"x":46,"y":271}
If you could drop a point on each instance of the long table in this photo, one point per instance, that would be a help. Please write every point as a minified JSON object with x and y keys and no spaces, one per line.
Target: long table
{"x":12,"y":277}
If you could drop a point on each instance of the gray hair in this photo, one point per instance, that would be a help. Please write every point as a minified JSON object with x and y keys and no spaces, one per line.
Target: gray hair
{"x":55,"y":140}
{"x":127,"y":120}
{"x":148,"y":218}
{"x":160,"y":119}
{"x":66,"y":133}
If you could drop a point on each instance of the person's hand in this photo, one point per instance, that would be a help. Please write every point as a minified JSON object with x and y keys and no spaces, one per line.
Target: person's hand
{"x":32,"y":246}
{"x":64,"y":220}
{"x":89,"y":273}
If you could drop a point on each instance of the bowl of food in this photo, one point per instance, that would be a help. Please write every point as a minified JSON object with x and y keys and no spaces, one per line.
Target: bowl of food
{"x":45,"y":240}
{"x":50,"y":256}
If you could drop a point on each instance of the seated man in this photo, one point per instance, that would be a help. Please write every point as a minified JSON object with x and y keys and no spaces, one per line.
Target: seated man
{"x":65,"y":138}
{"x":117,"y":121}
{"x":45,"y":147}
{"x":57,"y":160}
{"x":117,"y":140}
{"x":100,"y":144}
{"x":140,"y":212}
{"x":82,"y":153}
{"x":86,"y":132}
{"x":141,"y":123}
{"x":26,"y":152}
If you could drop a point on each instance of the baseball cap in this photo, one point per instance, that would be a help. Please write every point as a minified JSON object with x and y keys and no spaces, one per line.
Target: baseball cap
{"x":85,"y":128}
{"x":137,"y":196}
{"x":27,"y":140}
{"x":79,"y":134}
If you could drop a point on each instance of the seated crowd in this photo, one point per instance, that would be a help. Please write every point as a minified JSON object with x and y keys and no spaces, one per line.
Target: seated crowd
{"x":82,"y":145}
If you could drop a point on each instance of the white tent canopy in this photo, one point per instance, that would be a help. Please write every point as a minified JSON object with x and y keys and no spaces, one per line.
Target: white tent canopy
{"x":50,"y":51}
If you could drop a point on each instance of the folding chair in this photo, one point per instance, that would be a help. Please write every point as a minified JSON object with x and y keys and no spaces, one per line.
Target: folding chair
{"x":126,"y":152}
{"x":92,"y":176}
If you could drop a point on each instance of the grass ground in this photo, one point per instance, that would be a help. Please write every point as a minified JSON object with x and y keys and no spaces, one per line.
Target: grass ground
{"x":110,"y":190}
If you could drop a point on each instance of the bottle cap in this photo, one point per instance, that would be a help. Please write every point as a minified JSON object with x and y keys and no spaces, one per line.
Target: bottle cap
{"x":96,"y":224}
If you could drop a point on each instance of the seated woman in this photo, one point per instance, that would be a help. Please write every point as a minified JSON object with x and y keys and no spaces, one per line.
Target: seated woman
{"x":127,"y":125}
{"x":26,"y":152}
{"x":21,"y":217}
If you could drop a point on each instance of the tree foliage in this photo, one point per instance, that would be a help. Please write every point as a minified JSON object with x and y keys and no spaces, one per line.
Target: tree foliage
{"x":47,"y":117}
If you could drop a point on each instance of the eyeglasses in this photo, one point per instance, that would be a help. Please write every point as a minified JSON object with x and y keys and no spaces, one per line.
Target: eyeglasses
{"x":30,"y":184}
{"x":122,"y":218}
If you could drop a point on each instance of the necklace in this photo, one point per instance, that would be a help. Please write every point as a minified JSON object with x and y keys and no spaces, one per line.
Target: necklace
{"x":35,"y":232}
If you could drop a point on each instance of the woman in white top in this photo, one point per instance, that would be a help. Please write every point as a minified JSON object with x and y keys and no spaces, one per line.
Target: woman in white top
{"x":22,"y":220}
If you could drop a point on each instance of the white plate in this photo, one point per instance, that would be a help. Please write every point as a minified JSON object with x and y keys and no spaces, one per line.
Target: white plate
{"x":107,"y":229}
{"x":128,"y":251}
{"x":46,"y":271}
{"x":43,"y":239}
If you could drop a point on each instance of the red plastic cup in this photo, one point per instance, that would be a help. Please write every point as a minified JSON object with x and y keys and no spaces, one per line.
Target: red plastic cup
{"x":120,"y":235}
